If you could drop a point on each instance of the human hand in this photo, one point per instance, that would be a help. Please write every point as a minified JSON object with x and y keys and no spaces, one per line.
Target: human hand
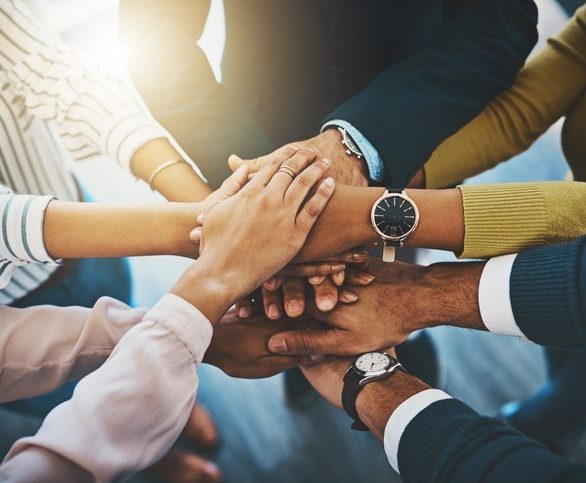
{"x":237,"y":251}
{"x":240,"y":346}
{"x":327,"y":377}
{"x":384,"y":316}
{"x":345,"y":169}
{"x":286,"y":292}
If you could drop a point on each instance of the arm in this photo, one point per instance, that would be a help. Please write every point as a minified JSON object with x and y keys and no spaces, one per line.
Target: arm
{"x":94,"y":111}
{"x":126,"y":414}
{"x":180,"y":88}
{"x":517,"y":117}
{"x":429,"y":437}
{"x":537,"y":294}
{"x":473,"y":56}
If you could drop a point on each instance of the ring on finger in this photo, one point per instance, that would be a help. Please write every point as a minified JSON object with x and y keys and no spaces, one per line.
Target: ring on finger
{"x":287,"y":170}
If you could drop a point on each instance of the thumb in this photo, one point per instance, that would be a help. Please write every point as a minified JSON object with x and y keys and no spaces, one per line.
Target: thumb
{"x":235,"y":162}
{"x":307,"y":342}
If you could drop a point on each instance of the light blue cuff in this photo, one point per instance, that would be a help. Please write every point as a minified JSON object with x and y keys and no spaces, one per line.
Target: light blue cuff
{"x":376,"y":169}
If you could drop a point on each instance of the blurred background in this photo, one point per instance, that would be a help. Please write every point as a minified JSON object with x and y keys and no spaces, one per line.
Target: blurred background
{"x":496,"y":369}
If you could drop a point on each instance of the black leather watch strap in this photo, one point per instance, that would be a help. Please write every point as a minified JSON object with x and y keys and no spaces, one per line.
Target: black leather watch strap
{"x":350,"y":392}
{"x":394,"y":190}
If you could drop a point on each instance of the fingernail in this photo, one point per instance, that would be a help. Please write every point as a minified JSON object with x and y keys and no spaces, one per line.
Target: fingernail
{"x":273,"y":311}
{"x":326,"y":162}
{"x":244,"y":312}
{"x":359,"y":256}
{"x":317,"y":358}
{"x":338,"y":267}
{"x":329,"y":182}
{"x":195,"y":236}
{"x":293,"y":307}
{"x":338,"y":278}
{"x":348,"y":297}
{"x":326,"y":304}
{"x":366,"y":277}
{"x":315,"y":280}
{"x":211,"y":469}
{"x":277,"y":345}
{"x":271,"y":284}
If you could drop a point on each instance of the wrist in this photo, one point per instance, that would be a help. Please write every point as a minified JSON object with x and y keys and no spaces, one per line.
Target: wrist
{"x":378,"y":400}
{"x":450,"y":296}
{"x":211,"y":290}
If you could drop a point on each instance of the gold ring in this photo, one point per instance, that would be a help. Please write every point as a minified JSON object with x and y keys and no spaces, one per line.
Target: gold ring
{"x":287,"y":170}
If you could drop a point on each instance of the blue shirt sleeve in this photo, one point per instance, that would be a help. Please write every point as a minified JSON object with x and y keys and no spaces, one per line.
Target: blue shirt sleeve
{"x":373,"y":159}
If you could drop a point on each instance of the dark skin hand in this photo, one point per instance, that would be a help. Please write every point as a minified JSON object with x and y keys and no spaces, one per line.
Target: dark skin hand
{"x":402,"y":299}
{"x":240,"y":346}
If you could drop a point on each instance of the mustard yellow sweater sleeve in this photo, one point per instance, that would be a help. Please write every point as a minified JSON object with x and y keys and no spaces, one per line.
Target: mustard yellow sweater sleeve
{"x":506,"y":218}
{"x":544,"y":90}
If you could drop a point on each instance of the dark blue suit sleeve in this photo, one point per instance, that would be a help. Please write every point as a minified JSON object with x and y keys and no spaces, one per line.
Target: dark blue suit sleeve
{"x":449,"y":442}
{"x":411,"y":107}
{"x":548,"y":294}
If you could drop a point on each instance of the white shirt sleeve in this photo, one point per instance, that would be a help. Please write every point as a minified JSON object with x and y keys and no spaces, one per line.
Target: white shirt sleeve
{"x":494,"y":297}
{"x":124,"y":416}
{"x":95,"y":111}
{"x":401,"y":418}
{"x":21,"y":238}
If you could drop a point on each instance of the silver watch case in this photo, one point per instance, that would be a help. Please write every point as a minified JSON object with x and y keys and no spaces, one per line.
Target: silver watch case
{"x":367,"y":377}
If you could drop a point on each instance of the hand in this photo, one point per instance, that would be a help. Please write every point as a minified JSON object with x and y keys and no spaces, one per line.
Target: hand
{"x":327,"y":377}
{"x":240,"y":347}
{"x":404,"y":298}
{"x":237,"y":250}
{"x":286,"y":292}
{"x":345,"y":169}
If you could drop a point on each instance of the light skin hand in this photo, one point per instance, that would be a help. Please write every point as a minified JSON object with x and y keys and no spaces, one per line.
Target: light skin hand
{"x":237,"y":226}
{"x":345,"y":169}
{"x":404,"y":298}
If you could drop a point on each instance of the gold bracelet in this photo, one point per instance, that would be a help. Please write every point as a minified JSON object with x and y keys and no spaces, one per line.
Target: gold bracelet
{"x":161,"y":167}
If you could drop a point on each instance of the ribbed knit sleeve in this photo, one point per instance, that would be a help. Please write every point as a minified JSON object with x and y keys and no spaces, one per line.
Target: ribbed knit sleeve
{"x":449,"y":442}
{"x":507,"y":218}
{"x":548,"y":294}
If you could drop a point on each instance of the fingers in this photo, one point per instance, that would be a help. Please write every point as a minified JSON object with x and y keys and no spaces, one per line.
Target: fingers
{"x":294,"y":296}
{"x":305,"y":181}
{"x":178,"y":465}
{"x":314,"y":206}
{"x":307,"y":342}
{"x":231,"y":185}
{"x":306,"y":270}
{"x":338,"y":278}
{"x":272,"y":303}
{"x":347,"y":296}
{"x":326,"y":295}
{"x":358,"y":277}
{"x":244,"y":308}
{"x":352,"y":256}
{"x":269,"y":166}
{"x":298,"y":170}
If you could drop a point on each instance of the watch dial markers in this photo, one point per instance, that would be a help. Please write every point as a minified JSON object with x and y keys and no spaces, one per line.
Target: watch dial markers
{"x":394,"y":219}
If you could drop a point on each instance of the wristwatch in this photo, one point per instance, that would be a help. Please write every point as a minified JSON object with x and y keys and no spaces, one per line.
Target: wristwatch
{"x":394,"y":216}
{"x":366,"y":368}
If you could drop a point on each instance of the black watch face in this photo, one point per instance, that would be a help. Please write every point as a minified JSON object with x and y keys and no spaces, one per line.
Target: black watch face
{"x":394,"y":216}
{"x":372,"y":362}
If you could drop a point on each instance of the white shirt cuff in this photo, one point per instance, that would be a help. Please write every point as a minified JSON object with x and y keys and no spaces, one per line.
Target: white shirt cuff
{"x":185,"y":321}
{"x":494,"y":299}
{"x":401,"y":418}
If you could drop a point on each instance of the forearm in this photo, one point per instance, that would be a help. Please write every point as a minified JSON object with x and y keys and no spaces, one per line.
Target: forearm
{"x":85,"y":230}
{"x":178,"y":182}
{"x":441,"y":224}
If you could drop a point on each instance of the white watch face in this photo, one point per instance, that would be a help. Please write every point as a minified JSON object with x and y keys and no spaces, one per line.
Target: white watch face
{"x":372,"y":362}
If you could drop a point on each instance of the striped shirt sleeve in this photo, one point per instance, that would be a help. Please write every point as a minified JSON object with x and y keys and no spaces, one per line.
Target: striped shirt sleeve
{"x":95,"y":111}
{"x":22,"y":242}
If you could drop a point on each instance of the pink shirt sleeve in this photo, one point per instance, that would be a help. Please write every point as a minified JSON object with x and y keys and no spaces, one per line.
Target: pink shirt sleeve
{"x":124,"y":416}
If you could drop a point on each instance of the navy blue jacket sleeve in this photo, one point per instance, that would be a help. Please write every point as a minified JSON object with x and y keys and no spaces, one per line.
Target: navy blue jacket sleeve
{"x":449,"y":442}
{"x":548,"y":294}
{"x":411,"y":107}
